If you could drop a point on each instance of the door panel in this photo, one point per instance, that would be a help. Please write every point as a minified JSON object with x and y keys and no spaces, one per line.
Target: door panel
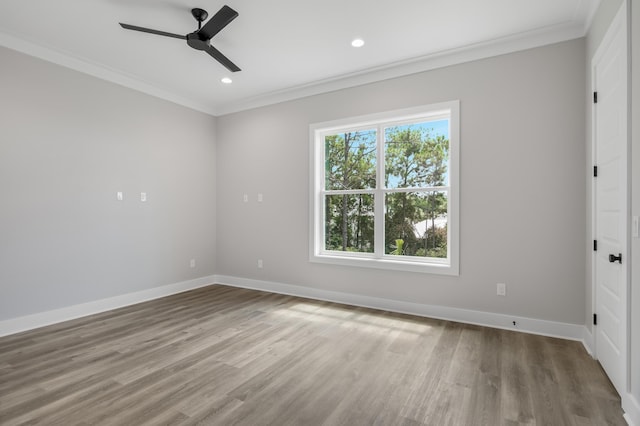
{"x":610,"y":202}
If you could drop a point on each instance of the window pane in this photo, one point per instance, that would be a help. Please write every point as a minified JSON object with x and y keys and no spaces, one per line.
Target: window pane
{"x":416,"y":224}
{"x":417,"y":155}
{"x":350,"y":160}
{"x":349,"y":222}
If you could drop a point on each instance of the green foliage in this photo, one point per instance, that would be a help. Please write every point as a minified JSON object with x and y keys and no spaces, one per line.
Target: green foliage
{"x":350,"y":160}
{"x":413,"y":159}
{"x":398,"y":247}
{"x":349,"y":223}
{"x":350,"y":163}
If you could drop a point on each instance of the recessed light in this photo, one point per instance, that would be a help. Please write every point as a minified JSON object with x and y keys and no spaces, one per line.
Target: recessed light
{"x":357,"y":42}
{"x":226,"y":80}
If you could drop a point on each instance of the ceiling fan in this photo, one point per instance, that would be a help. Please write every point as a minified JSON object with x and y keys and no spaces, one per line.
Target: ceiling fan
{"x":201,"y":38}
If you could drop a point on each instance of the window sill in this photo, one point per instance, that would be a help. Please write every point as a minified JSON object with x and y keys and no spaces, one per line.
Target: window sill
{"x":388,"y":264}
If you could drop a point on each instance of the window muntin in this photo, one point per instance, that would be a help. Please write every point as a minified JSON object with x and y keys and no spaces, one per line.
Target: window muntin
{"x":384,"y":190}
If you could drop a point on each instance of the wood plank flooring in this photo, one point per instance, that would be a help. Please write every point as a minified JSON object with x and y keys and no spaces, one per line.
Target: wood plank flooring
{"x":225,"y":356}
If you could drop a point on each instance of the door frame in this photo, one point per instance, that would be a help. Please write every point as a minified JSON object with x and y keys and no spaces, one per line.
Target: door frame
{"x":620,"y":22}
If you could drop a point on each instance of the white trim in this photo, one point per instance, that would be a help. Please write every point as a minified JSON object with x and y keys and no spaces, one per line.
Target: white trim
{"x":618,"y":24}
{"x":501,"y":321}
{"x":631,"y":408}
{"x":317,"y":131}
{"x":488,"y":319}
{"x":587,"y":341}
{"x":98,"y":70}
{"x":41,"y":319}
{"x":486,"y":49}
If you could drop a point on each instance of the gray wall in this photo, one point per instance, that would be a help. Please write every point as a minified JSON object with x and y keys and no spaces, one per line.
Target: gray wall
{"x":522,"y":186}
{"x":68,"y":143}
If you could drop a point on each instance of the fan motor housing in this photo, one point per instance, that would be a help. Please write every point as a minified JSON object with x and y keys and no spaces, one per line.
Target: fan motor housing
{"x":194,"y":40}
{"x":199,"y":14}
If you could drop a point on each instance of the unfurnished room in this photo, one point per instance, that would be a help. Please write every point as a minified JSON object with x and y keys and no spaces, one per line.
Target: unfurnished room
{"x":420,"y":212}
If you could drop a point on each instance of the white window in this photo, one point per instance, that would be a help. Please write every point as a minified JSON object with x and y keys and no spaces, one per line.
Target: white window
{"x":384,"y":190}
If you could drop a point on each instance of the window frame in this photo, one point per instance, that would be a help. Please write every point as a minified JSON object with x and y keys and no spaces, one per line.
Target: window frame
{"x":378,"y":259}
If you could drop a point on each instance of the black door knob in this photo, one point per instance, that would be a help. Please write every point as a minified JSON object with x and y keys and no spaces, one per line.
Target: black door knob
{"x":613,"y":258}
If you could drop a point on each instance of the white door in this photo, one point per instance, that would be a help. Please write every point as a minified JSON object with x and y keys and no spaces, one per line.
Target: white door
{"x":609,"y":67}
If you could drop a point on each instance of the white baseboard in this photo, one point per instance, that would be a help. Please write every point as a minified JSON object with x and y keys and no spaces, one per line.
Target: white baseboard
{"x":523,"y":324}
{"x":488,"y":319}
{"x":631,"y":407}
{"x":587,"y":341}
{"x":527,"y":325}
{"x":41,"y":319}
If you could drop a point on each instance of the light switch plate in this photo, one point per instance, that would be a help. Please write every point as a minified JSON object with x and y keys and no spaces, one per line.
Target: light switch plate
{"x":501,"y":289}
{"x":143,"y":196}
{"x":119,"y":196}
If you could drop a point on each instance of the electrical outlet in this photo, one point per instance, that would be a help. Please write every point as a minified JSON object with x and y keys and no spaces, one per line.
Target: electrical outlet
{"x":259,"y":263}
{"x":245,"y":198}
{"x":143,"y":197}
{"x":119,"y":196}
{"x":192,"y":263}
{"x":501,"y":289}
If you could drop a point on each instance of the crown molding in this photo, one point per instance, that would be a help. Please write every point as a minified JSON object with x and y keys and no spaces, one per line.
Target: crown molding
{"x":486,"y":49}
{"x":97,"y":70}
{"x":490,"y":48}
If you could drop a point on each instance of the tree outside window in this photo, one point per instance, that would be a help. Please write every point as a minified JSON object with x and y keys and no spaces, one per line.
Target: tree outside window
{"x":385,"y":190}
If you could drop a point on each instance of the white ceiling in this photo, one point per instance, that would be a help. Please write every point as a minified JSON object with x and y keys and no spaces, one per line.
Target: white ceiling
{"x":285,"y":48}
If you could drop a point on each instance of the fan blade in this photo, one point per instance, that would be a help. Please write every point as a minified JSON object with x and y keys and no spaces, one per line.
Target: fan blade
{"x":215,"y":53}
{"x":218,"y":22}
{"x":148,"y":30}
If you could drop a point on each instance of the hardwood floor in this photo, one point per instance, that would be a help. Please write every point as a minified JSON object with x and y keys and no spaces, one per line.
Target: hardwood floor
{"x":226,"y":356}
